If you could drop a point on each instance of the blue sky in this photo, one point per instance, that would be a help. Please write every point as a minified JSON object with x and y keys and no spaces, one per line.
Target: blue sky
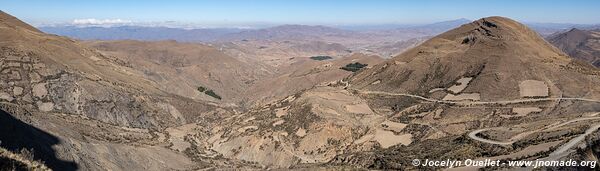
{"x":324,"y":12}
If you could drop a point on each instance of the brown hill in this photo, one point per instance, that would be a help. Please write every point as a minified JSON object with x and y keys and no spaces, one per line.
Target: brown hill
{"x":303,"y":73}
{"x":10,"y":21}
{"x":280,"y":53}
{"x":491,"y":89}
{"x":580,"y":44}
{"x":181,"y":68}
{"x":498,"y":54}
{"x":77,"y":108}
{"x":492,"y":78}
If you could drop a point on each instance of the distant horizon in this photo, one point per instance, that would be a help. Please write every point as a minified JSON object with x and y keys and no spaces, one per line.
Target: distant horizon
{"x":268,"y":13}
{"x":199,"y":25}
{"x":383,"y":26}
{"x":168,"y":24}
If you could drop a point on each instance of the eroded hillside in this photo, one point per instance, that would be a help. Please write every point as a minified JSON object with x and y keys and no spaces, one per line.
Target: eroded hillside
{"x":181,"y":68}
{"x":490,"y":89}
{"x":79,"y":109}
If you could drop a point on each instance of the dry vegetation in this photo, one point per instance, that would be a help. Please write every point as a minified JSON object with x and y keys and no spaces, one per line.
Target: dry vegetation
{"x":488,"y":89}
{"x":20,"y":161}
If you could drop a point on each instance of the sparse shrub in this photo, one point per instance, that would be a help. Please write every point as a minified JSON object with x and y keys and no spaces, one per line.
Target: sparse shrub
{"x":321,"y":58}
{"x":27,"y":154}
{"x":212,"y":94}
{"x":201,"y":89}
{"x":23,"y":160}
{"x":354,"y":66}
{"x":209,"y":92}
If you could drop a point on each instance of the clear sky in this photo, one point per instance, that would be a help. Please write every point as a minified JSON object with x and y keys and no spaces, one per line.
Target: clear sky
{"x":325,"y":12}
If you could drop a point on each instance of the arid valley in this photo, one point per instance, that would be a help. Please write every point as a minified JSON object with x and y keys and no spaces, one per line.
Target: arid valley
{"x":299,"y":96}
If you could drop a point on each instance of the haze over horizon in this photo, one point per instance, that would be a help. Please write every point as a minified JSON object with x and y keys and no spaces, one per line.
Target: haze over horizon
{"x":237,"y":13}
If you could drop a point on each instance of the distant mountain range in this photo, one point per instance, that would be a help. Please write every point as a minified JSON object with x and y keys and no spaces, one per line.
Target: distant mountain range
{"x":288,"y":32}
{"x":140,"y":33}
{"x":396,"y":31}
{"x":546,"y":29}
{"x":580,"y":44}
{"x":230,"y":34}
{"x":447,"y":24}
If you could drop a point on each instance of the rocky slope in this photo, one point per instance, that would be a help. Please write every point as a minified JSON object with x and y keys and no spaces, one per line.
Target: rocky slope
{"x":79,"y":109}
{"x":19,"y":161}
{"x":55,"y":74}
{"x":496,"y":55}
{"x":492,"y":78}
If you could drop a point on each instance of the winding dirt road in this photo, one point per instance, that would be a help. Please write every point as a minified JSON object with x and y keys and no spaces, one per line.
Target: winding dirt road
{"x":475,"y":102}
{"x":561,"y":151}
{"x":474,"y":136}
{"x":556,"y":154}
